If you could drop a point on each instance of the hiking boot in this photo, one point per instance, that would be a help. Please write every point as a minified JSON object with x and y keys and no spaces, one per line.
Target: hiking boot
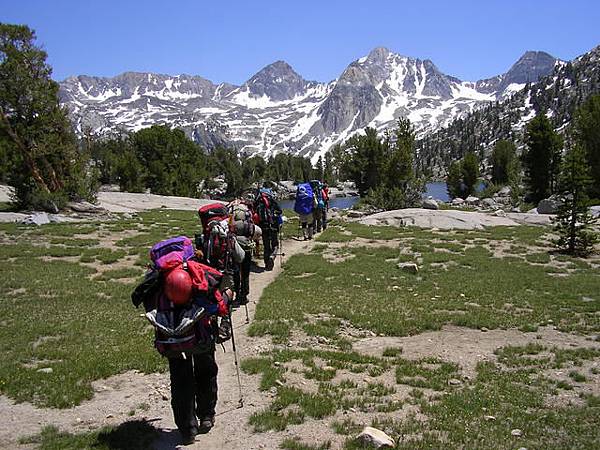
{"x":206,"y":424}
{"x":269,"y":264}
{"x":188,"y":436}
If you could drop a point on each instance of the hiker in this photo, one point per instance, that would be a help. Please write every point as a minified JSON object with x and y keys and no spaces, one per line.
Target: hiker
{"x":325,"y":196}
{"x":183,"y":300}
{"x":304,"y":206}
{"x":246,"y":234}
{"x":319,"y":205}
{"x":269,"y":216}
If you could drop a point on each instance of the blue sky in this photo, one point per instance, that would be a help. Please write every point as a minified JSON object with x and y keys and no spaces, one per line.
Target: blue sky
{"x":232,"y":40}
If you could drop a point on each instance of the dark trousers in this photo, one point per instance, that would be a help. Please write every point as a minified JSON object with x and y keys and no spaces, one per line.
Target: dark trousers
{"x":270,"y":241}
{"x":193,"y":389}
{"x":242,"y":275}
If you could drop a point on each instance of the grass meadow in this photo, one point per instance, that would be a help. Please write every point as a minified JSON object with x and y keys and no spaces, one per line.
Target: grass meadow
{"x":67,"y":321}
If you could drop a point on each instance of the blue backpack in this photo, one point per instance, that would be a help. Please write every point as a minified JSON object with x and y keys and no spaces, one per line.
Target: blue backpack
{"x":304,"y":203}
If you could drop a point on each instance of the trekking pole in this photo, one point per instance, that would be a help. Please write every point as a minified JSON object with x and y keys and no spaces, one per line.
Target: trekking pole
{"x":237,"y":367}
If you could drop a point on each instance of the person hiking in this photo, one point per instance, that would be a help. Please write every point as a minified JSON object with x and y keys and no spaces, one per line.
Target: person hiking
{"x":184,"y":301}
{"x":269,"y":215}
{"x":319,"y":205}
{"x":246,"y":234}
{"x":304,"y":206}
{"x":325,"y":196}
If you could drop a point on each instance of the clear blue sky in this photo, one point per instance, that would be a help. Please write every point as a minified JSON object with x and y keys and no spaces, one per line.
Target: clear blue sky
{"x":232,"y":40}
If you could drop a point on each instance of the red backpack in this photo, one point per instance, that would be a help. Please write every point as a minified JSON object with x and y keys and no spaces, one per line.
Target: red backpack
{"x":215,"y":241}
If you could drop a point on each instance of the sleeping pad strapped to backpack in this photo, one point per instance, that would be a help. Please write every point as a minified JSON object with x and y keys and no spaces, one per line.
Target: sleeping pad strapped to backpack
{"x":304,"y":203}
{"x":183,"y":328}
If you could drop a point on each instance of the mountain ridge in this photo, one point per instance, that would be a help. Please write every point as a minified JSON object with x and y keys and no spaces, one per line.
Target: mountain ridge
{"x":276,"y":109}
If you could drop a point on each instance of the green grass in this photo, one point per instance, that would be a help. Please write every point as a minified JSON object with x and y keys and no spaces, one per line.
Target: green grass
{"x":438,"y":295}
{"x":60,"y":316}
{"x":460,"y":282}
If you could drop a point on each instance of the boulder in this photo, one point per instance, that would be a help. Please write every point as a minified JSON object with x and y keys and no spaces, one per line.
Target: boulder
{"x":355,"y":214}
{"x":499,"y":213}
{"x":471,"y":200}
{"x":488,"y":203}
{"x":376,"y":438}
{"x":595,"y":211}
{"x":408,"y":267}
{"x":430,"y":203}
{"x":36,"y":219}
{"x":549,"y":205}
{"x":84,"y":207}
{"x":457,"y":201}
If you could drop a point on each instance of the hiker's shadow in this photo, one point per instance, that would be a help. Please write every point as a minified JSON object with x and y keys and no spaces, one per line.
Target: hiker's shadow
{"x":138,"y":434}
{"x":255,"y":268}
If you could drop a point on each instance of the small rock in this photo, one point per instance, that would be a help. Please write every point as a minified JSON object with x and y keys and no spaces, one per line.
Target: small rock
{"x":377,"y":438}
{"x":109,"y":416}
{"x":408,"y":267}
{"x":457,"y":201}
{"x":36,"y":219}
{"x":471,"y":200}
{"x":355,"y":214}
{"x":499,"y":213}
{"x":454,"y":382}
{"x":329,"y":368}
{"x":279,"y":383}
{"x":352,"y":410}
{"x":45,"y":370}
{"x":484,"y":329}
{"x":277,"y":364}
{"x":489,"y":418}
{"x":516,"y":432}
{"x":430,"y":203}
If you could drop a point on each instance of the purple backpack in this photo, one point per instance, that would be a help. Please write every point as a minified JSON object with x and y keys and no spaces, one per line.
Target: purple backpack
{"x":170,"y":253}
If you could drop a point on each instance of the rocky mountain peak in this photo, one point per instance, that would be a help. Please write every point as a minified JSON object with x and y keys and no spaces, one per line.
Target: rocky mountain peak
{"x":378,"y":55}
{"x":278,"y":81}
{"x":530,"y":67}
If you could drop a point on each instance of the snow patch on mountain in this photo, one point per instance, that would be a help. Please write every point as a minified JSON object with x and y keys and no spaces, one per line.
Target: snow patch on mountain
{"x":277,"y":110}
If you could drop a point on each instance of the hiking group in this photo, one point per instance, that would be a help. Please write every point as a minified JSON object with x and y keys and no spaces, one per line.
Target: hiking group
{"x":311,"y":205}
{"x":189,"y":293}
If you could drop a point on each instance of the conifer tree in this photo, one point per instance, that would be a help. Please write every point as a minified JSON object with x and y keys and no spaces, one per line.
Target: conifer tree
{"x":541,"y":159}
{"x":37,"y":142}
{"x":587,"y":132}
{"x":574,"y":220}
{"x":470,"y":173}
{"x":454,"y":183}
{"x":503,"y":161}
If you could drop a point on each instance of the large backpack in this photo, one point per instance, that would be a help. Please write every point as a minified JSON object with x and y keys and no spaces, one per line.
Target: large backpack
{"x":304,"y":203}
{"x":265,"y":208}
{"x":215,"y":241}
{"x":185,"y":328}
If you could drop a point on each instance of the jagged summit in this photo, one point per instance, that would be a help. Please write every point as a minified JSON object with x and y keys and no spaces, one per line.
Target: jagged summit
{"x":278,"y":110}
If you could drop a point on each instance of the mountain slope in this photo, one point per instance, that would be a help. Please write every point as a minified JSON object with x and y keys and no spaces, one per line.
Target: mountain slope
{"x":558,"y":95}
{"x":277,"y":110}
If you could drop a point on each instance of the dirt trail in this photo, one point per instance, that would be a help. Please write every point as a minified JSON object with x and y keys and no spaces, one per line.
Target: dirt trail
{"x":133,"y":395}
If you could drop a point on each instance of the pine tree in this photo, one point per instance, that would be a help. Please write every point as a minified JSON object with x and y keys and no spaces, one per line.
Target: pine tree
{"x":587,"y":132}
{"x":574,"y":220}
{"x":541,"y":160}
{"x":470,"y":173}
{"x":454,"y":183}
{"x":46,"y":167}
{"x":319,"y":171}
{"x":502,"y":160}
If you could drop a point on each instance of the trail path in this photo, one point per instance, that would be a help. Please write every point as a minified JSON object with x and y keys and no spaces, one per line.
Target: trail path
{"x":135,"y":396}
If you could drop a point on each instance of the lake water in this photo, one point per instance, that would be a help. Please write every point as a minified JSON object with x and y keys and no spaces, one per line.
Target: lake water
{"x":436,"y":190}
